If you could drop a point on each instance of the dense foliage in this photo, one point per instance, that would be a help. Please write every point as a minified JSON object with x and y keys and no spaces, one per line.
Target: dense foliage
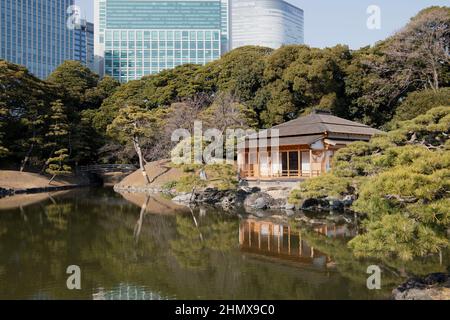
{"x":248,"y":87}
{"x":402,"y":181}
{"x":39,"y":119}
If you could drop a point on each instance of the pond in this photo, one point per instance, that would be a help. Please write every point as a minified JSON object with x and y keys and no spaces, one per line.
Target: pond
{"x":138,"y":247}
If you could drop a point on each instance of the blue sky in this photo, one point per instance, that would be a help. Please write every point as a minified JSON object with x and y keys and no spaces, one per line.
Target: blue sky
{"x":329,"y":22}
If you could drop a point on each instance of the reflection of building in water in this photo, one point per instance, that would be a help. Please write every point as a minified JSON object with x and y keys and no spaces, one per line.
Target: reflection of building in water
{"x":280,"y":241}
{"x":127,"y":292}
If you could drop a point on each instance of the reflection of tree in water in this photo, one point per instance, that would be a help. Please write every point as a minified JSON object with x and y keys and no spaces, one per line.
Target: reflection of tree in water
{"x":35,"y":246}
{"x":57,"y":214}
{"x":196,"y":242}
{"x":188,"y":248}
{"x":222,"y":236}
{"x":394,"y":270}
{"x":34,"y":254}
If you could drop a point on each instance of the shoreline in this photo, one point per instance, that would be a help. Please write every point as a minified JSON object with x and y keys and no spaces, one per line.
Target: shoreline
{"x":14,"y":192}
{"x":19,"y":183}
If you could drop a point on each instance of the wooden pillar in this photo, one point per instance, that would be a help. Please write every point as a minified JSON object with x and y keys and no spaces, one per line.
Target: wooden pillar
{"x":288,"y":165}
{"x":269,"y":160}
{"x":300,"y":243}
{"x":249,"y":234}
{"x":310,"y":163}
{"x":259,"y":237}
{"x":279,"y":235}
{"x":242,"y":233}
{"x":289,"y":240}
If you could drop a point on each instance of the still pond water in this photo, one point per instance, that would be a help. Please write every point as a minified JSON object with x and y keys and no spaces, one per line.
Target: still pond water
{"x":134,"y":247}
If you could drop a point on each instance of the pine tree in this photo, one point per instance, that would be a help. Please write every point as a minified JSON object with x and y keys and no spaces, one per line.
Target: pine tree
{"x":33,"y":121}
{"x":57,"y":164}
{"x":58,"y":134}
{"x":133,"y":124}
{"x":3,"y":112}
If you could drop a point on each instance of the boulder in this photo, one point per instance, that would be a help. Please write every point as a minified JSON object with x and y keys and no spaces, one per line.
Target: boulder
{"x":435,"y":286}
{"x":335,"y":204}
{"x":6,"y":192}
{"x":289,"y":206}
{"x":184,"y":198}
{"x":260,"y":204}
{"x":312,"y":204}
{"x":348,"y":200}
{"x":259,"y":200}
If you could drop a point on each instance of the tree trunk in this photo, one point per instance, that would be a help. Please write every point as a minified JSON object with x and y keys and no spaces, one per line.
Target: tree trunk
{"x":435,"y":79}
{"x":51,"y":180}
{"x":138,"y":227}
{"x":27,"y":157}
{"x":138,"y":149}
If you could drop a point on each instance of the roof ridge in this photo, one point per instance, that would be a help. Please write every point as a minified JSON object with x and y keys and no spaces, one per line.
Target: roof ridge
{"x":301,"y":117}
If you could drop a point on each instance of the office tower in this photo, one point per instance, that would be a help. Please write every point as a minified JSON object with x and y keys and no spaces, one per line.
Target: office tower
{"x":34,"y":34}
{"x":140,"y":37}
{"x":84,"y":44}
{"x":267,"y":23}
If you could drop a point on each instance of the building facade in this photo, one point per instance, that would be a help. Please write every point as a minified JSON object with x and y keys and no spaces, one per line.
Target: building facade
{"x":140,"y":37}
{"x":84,"y":44}
{"x":35,"y":34}
{"x":267,"y":23}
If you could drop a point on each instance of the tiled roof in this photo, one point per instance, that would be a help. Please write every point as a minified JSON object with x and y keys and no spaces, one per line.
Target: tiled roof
{"x":323,"y":123}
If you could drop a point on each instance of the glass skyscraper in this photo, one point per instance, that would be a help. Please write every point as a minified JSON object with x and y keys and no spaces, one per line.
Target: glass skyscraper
{"x":267,"y":23}
{"x":84,"y":44}
{"x":134,"y":38}
{"x":33,"y":33}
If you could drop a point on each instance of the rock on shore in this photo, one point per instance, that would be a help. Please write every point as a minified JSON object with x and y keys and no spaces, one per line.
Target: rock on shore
{"x":211,"y":196}
{"x":255,"y":198}
{"x":435,"y":286}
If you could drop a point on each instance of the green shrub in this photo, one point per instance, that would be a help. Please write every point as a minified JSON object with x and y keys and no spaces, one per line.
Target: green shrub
{"x":397,"y":236}
{"x":319,"y":187}
{"x":170,"y":185}
{"x":189,"y":183}
{"x":222,"y":176}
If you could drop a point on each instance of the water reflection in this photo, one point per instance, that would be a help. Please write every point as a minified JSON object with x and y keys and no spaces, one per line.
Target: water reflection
{"x":280,"y":241}
{"x":127,"y":292}
{"x":145,"y":248}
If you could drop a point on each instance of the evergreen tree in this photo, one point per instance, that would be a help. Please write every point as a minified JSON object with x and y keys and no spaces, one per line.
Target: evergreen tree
{"x":34,"y":123}
{"x":132,"y":125}
{"x":57,"y":164}
{"x":3,"y":112}
{"x":58,"y":136}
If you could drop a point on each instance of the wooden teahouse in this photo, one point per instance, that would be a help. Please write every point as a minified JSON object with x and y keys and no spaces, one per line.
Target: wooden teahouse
{"x":304,"y":147}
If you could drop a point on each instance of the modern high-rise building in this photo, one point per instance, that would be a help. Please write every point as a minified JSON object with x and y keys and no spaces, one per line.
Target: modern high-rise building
{"x":34,"y":33}
{"x":134,"y":38}
{"x":84,"y":44}
{"x":267,"y":23}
